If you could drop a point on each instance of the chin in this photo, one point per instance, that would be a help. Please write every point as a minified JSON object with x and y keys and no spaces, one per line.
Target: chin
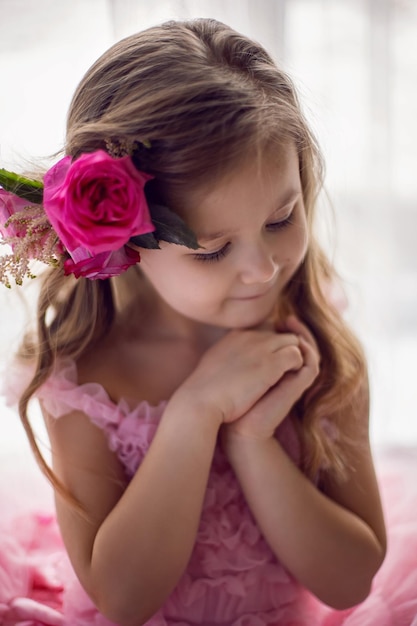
{"x":251,"y":320}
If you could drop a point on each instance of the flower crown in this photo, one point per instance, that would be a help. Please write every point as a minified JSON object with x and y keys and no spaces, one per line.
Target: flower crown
{"x":88,"y":210}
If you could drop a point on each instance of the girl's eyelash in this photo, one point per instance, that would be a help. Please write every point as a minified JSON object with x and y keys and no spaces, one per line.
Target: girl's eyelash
{"x":281,"y":224}
{"x":213,"y":256}
{"x":220,"y":254}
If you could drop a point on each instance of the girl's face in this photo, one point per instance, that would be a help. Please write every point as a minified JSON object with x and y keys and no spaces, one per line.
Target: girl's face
{"x":253,"y":228}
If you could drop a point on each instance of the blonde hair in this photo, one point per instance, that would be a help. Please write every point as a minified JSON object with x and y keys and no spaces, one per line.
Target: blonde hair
{"x":201,"y":95}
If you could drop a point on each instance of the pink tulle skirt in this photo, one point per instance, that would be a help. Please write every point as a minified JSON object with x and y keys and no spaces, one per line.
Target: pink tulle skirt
{"x":35,"y":573}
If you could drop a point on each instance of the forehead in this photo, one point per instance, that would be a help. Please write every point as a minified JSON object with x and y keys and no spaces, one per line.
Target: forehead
{"x":259,"y":185}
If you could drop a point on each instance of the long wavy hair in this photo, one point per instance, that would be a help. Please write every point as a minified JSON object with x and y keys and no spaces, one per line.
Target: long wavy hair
{"x":202,"y":95}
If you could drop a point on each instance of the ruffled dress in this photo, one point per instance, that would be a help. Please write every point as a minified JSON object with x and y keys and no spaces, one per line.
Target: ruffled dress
{"x":232,"y":578}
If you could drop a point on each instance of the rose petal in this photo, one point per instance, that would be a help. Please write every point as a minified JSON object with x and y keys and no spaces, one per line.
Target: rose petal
{"x":97,"y":202}
{"x":103,"y":265}
{"x":9,"y":205}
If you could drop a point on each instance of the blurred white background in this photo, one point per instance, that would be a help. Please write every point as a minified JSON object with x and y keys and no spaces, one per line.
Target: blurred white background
{"x":355,"y":64}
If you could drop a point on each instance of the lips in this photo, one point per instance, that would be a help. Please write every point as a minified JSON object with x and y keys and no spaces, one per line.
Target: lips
{"x":254,"y":296}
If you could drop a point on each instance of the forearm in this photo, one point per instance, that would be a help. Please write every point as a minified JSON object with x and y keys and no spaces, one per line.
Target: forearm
{"x":330,"y":550}
{"x":143,"y":546}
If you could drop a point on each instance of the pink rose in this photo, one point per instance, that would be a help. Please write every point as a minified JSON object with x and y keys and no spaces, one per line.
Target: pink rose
{"x":97,"y":202}
{"x":9,"y":205}
{"x":102,"y":265}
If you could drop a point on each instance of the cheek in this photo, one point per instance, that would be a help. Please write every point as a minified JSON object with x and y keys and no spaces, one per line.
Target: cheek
{"x":293,"y":251}
{"x":204,"y":283}
{"x":181,"y":279}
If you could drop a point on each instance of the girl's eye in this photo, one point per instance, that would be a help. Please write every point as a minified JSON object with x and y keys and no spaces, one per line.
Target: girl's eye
{"x":213,"y":256}
{"x":282,"y":224}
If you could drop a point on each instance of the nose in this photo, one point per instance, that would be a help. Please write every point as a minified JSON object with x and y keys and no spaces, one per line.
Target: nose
{"x":258,"y":265}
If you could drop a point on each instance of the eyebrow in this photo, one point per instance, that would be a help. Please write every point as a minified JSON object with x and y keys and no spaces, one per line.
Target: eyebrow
{"x":289,"y":198}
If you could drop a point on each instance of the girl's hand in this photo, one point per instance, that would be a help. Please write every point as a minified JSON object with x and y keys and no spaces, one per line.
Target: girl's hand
{"x":237,"y":371}
{"x":260,"y":421}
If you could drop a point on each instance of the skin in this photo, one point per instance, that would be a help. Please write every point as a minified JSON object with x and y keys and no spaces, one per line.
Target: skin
{"x":235,"y":280}
{"x":201,"y":336}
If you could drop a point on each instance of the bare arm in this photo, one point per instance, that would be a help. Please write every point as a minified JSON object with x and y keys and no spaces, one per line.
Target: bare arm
{"x":132,"y":553}
{"x":141,"y":536}
{"x":333,"y":541}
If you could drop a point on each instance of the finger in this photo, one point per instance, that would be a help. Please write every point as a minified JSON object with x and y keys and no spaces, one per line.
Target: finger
{"x":272,"y":370}
{"x":281,"y":340}
{"x":294,"y":382}
{"x":288,"y":359}
{"x":295,"y":325}
{"x":311,"y":357}
{"x":265,"y":416}
{"x":274,"y":406}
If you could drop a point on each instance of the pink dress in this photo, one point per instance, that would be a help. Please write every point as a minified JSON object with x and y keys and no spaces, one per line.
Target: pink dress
{"x":233,"y":578}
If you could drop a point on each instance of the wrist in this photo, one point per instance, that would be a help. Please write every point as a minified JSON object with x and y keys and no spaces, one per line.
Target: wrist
{"x":191,"y":407}
{"x":237,"y":445}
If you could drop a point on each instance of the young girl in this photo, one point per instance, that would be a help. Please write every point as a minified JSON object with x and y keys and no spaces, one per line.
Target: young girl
{"x":207,"y":408}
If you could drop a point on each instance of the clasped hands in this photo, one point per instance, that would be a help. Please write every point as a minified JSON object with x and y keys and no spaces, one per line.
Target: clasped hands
{"x":298,"y":365}
{"x":250,"y":379}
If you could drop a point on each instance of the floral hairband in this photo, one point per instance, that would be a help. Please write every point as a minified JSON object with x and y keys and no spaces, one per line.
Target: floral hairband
{"x":89,"y":210}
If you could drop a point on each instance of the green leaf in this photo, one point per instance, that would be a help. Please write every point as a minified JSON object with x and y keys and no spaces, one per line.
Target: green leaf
{"x":171,"y":228}
{"x":145,"y":241}
{"x":26,"y":188}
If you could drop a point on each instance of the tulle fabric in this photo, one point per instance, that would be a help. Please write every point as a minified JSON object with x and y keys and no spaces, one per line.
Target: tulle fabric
{"x":33,"y":568}
{"x":232,"y":578}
